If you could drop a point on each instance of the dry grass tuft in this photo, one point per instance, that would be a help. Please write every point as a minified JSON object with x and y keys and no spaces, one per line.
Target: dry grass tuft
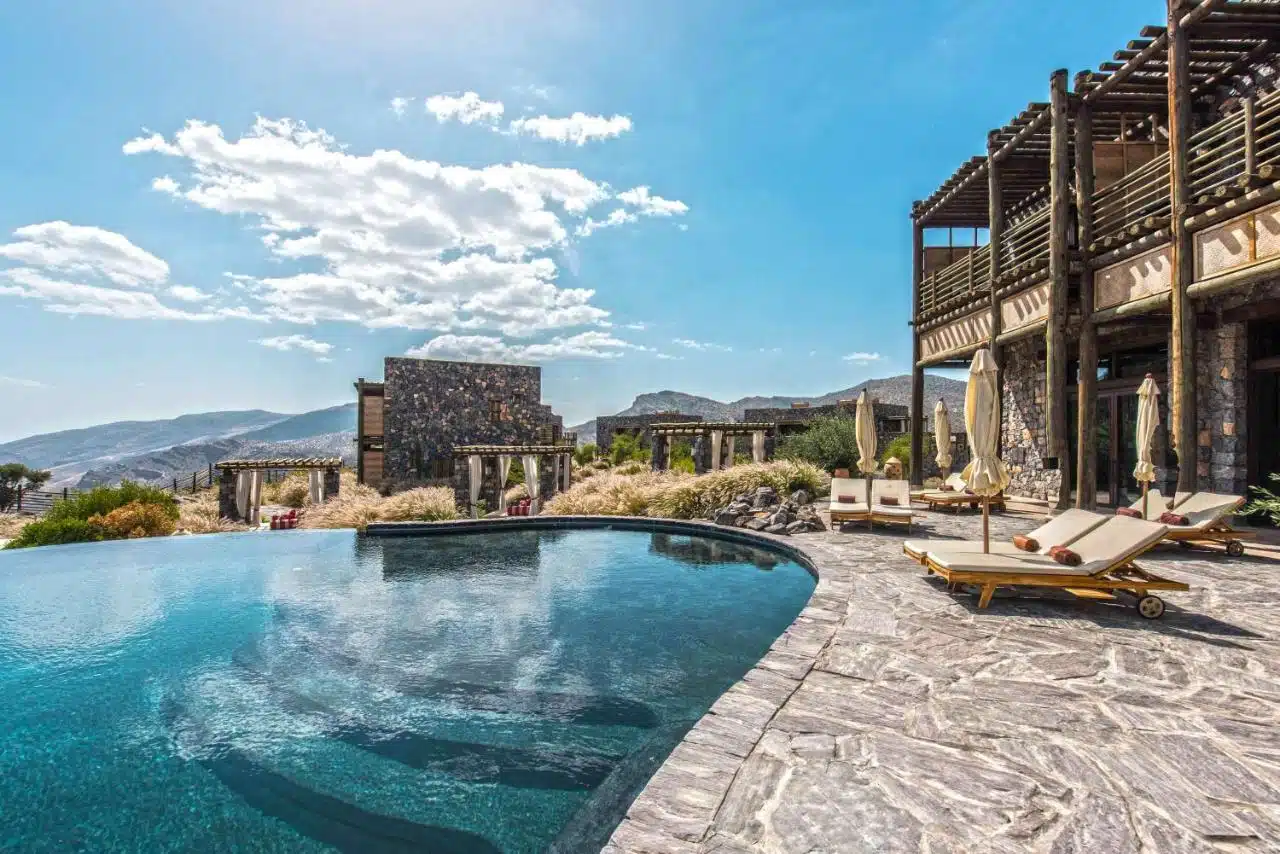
{"x":11,"y":525}
{"x":198,"y":514}
{"x":358,"y":505}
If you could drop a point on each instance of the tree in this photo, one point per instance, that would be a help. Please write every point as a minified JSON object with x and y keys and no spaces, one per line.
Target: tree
{"x":626,"y":447}
{"x":15,"y":476}
{"x":829,"y":443}
{"x":585,"y":453}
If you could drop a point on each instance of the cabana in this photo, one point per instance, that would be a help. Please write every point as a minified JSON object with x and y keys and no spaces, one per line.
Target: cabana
{"x":714,"y":442}
{"x":240,"y":483}
{"x":548,"y":469}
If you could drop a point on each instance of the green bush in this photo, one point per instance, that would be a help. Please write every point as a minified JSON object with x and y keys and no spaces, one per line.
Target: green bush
{"x":101,"y":500}
{"x":1265,"y":501}
{"x":682,"y":457}
{"x":829,"y":443}
{"x":900,"y":448}
{"x":626,"y":447}
{"x":584,"y":454}
{"x":56,"y":532}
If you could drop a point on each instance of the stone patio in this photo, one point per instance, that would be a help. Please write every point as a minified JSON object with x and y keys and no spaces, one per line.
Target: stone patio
{"x":893,"y":716}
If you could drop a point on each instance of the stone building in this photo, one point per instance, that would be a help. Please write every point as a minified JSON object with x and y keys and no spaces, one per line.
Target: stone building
{"x":610,"y":426}
{"x":409,"y":423}
{"x":1133,"y":224}
{"x":891,"y":420}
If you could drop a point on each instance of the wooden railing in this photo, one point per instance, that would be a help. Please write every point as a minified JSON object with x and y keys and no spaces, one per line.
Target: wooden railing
{"x":957,"y":283}
{"x":1024,"y":246}
{"x":1135,"y":205}
{"x":1236,"y":152}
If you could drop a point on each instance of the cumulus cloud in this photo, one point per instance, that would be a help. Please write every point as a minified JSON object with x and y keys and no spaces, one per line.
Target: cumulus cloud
{"x":638,"y":202}
{"x":701,"y":345}
{"x":186,"y":293}
{"x":467,"y":108}
{"x":577,"y":129}
{"x":387,"y":240}
{"x":863,"y":358}
{"x":75,"y":298}
{"x":487,"y":348}
{"x":285,"y":343}
{"x":78,"y":249}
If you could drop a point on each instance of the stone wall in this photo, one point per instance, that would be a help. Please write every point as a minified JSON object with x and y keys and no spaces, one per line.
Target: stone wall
{"x":608,"y":425}
{"x":432,"y":406}
{"x":1023,"y":419}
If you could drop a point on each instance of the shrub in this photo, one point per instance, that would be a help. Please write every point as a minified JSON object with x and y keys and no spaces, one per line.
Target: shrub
{"x":15,"y":476}
{"x":294,"y":490}
{"x":425,"y":504}
{"x":56,"y":532}
{"x":626,"y":447}
{"x":135,"y":520}
{"x":631,"y":467}
{"x":1265,"y":501}
{"x":900,"y":447}
{"x":830,"y":443}
{"x":516,"y":493}
{"x":682,"y":457}
{"x":584,"y":454}
{"x":358,"y":505}
{"x":198,"y":514}
{"x":101,"y":500}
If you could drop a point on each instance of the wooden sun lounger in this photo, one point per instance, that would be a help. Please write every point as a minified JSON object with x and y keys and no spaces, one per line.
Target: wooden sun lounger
{"x":1208,"y":513}
{"x":860,"y":511}
{"x":1062,"y":530}
{"x":956,"y":497}
{"x":1107,"y":552}
{"x":848,"y":511}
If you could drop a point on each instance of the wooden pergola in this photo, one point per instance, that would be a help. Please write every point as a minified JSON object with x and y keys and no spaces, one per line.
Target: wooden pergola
{"x":240,"y":482}
{"x":714,"y":442}
{"x":497,"y":458}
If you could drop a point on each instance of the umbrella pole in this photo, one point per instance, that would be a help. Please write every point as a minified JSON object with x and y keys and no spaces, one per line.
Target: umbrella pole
{"x":1144,"y":499}
{"x":871,"y":524}
{"x":986,"y":524}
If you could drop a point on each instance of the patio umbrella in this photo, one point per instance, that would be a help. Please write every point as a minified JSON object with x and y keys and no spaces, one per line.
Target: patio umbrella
{"x":985,"y":475}
{"x":864,"y":428}
{"x":942,"y":436}
{"x":1148,"y":419}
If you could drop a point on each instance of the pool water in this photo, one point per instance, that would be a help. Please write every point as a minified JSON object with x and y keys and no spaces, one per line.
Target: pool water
{"x":319,"y":691}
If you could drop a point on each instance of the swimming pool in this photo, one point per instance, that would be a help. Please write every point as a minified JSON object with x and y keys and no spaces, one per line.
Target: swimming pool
{"x":312,"y":691}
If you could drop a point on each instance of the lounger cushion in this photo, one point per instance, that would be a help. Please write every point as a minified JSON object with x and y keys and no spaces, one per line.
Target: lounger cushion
{"x":1206,"y":509}
{"x":977,"y":562}
{"x":849,"y":507}
{"x":1066,"y":527}
{"x":892,"y":512}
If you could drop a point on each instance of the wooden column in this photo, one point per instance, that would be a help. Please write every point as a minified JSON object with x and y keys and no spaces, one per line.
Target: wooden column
{"x":1182,"y":337}
{"x":995,"y":229}
{"x":917,"y":372}
{"x":1251,"y":139}
{"x":1087,"y":385}
{"x":360,"y":430}
{"x":1055,"y":335}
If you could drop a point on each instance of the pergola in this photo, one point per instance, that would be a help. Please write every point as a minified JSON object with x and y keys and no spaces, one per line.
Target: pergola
{"x":240,"y":482}
{"x":500,"y":457}
{"x":713,"y":442}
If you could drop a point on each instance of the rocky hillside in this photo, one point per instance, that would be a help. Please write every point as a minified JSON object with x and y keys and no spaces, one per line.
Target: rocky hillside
{"x":895,"y":390}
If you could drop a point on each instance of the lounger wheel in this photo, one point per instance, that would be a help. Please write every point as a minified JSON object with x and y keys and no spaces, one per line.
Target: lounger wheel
{"x":1235,"y":548}
{"x":1150,"y":607}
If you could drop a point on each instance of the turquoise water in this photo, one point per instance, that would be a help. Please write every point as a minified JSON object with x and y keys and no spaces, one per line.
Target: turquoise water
{"x":316,"y":691}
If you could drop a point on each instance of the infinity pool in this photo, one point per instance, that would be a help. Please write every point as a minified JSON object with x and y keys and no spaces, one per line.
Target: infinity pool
{"x":317,"y":691}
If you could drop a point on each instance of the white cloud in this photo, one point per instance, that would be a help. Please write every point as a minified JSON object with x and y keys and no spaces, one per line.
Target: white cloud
{"x":386,"y":240}
{"x":637,"y":202}
{"x":863,"y":358}
{"x":771,"y":350}
{"x":285,"y":343}
{"x":669,"y":357}
{"x":638,"y":326}
{"x":578,"y":128}
{"x":467,"y":108}
{"x":486,"y":348}
{"x":165,"y":184}
{"x":186,"y":293}
{"x":74,"y":298}
{"x":701,"y":345}
{"x":21,"y":383}
{"x":399,"y":105}
{"x":78,"y":249}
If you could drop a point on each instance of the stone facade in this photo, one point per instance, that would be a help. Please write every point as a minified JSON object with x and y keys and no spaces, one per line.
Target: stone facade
{"x":432,"y":406}
{"x":1023,"y":420}
{"x":608,"y":426}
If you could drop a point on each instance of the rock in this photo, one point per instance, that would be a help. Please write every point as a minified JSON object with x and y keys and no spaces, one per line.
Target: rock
{"x":744,"y":498}
{"x":798,"y":527}
{"x":766,"y":496}
{"x":741,"y":521}
{"x":739,"y":506}
{"x":726,"y":517}
{"x":800,"y":496}
{"x":757,"y":524}
{"x":782,"y":517}
{"x":776,"y":529}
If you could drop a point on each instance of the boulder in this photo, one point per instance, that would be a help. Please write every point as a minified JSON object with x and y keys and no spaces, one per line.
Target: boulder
{"x":782,"y":517}
{"x":757,"y":524}
{"x":726,"y":517}
{"x":798,"y":527}
{"x":800,"y":496}
{"x":776,"y":529}
{"x":739,"y":507}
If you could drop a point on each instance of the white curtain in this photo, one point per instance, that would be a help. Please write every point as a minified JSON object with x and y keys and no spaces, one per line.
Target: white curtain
{"x":730,"y":442}
{"x":717,"y":437}
{"x":504,"y":471}
{"x":475,"y":472}
{"x":242,"y":494}
{"x":316,"y":486}
{"x":757,"y":446}
{"x":531,"y":480}
{"x":255,"y":498}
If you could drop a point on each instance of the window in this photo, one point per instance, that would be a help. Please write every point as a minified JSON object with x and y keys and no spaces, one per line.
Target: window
{"x":495,"y":411}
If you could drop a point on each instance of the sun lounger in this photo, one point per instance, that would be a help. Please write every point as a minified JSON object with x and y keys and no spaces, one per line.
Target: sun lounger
{"x":1106,"y":552}
{"x":848,"y":511}
{"x":1208,"y":513}
{"x":1062,"y":530}
{"x":957,"y":496}
{"x":898,"y":509}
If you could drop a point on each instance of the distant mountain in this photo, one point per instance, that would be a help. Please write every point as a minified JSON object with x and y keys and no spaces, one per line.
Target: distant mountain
{"x":68,"y":447}
{"x":335,"y":419}
{"x":896,"y":390}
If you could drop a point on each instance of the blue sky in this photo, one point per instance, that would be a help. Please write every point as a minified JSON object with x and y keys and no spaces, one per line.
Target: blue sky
{"x":707,"y":196}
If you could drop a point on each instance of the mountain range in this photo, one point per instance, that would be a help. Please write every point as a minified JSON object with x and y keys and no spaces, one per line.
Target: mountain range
{"x":157,"y":451}
{"x":896,"y":390}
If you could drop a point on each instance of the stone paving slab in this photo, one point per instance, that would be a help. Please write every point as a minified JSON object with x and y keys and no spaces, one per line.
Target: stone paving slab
{"x":894,"y":716}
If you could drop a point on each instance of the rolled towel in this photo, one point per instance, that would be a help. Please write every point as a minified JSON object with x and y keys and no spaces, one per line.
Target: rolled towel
{"x":946,"y":487}
{"x":889,"y":500}
{"x":1168,"y":518}
{"x":1064,"y":555}
{"x":968,"y":491}
{"x":1129,"y":511}
{"x":1027,"y":544}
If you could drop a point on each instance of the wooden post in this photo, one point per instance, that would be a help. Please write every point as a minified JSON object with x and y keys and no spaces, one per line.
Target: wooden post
{"x":995,"y":229}
{"x":360,"y":430}
{"x":1182,"y":338}
{"x":1087,"y":384}
{"x":917,"y":372}
{"x":1056,"y":328}
{"x":19,"y":499}
{"x":1251,"y":139}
